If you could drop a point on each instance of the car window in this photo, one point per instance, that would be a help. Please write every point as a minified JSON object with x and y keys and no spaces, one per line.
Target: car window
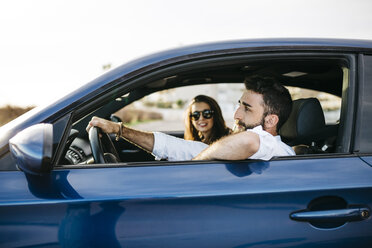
{"x":159,"y":103}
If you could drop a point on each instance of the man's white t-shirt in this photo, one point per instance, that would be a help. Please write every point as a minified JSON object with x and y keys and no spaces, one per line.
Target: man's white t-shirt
{"x":177,"y":149}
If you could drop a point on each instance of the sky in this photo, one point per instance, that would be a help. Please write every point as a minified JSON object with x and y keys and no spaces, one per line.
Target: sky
{"x":50,"y":47}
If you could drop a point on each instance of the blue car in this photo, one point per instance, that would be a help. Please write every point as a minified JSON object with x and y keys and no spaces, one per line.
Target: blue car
{"x":60,"y":187}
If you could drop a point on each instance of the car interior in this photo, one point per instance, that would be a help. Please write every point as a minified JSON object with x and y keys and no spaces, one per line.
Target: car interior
{"x":306,"y":130}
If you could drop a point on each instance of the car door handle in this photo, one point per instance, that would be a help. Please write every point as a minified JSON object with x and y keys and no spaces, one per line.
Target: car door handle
{"x":335,"y":215}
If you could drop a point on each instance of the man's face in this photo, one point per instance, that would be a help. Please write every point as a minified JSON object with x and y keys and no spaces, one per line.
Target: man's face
{"x":250,"y":111}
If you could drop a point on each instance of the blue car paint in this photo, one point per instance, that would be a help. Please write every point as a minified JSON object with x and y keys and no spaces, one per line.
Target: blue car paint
{"x":367,"y":159}
{"x":206,"y":205}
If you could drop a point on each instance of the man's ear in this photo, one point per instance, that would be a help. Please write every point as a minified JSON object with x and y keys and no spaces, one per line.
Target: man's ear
{"x":271,"y":120}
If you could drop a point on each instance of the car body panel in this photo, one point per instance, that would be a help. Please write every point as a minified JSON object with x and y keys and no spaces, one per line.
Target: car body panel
{"x":185,"y":205}
{"x":363,"y":135}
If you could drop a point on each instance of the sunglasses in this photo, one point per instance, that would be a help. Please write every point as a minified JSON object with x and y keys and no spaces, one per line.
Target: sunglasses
{"x":207,"y":114}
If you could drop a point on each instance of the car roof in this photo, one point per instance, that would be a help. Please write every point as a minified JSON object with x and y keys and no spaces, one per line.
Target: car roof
{"x":162,"y":58}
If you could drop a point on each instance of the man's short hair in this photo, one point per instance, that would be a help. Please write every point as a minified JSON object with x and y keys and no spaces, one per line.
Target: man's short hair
{"x":276,"y":97}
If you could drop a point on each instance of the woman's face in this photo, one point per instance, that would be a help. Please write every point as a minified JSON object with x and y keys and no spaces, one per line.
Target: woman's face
{"x":202,"y":124}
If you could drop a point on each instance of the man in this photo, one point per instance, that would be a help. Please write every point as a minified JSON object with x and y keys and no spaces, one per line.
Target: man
{"x":263,"y":108}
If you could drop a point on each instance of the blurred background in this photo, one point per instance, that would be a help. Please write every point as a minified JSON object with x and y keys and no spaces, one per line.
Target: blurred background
{"x":49,"y":48}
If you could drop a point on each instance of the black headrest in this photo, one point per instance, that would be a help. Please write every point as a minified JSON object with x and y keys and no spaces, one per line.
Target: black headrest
{"x":306,"y":119}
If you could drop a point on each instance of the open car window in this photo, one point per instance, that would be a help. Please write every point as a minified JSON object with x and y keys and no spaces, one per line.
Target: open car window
{"x":158,"y":102}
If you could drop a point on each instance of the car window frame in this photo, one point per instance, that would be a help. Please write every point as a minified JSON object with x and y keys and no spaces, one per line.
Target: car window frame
{"x":123,"y":87}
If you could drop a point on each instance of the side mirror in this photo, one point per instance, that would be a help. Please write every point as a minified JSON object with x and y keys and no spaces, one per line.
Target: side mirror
{"x":32,"y":148}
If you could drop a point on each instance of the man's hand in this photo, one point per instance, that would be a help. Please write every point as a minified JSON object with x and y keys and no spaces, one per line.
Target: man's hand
{"x":142,"y":139}
{"x":105,"y":125}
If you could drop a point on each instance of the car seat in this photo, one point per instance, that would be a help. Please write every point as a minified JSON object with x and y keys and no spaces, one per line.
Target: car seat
{"x":306,"y":130}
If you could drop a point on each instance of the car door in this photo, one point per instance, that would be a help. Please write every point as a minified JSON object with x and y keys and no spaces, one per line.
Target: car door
{"x":247,"y":203}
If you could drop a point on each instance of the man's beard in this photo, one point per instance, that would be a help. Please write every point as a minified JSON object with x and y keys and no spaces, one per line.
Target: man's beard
{"x":241,"y":126}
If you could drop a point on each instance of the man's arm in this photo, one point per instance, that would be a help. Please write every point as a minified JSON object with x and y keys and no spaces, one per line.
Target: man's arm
{"x":167,"y":147}
{"x":233,"y":147}
{"x":141,"y":138}
{"x":175,"y":149}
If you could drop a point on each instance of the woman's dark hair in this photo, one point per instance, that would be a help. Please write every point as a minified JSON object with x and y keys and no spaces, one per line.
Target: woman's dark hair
{"x":219,"y":128}
{"x":276,"y":97}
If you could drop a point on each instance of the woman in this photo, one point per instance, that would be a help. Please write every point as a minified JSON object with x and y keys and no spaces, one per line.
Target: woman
{"x":204,"y":121}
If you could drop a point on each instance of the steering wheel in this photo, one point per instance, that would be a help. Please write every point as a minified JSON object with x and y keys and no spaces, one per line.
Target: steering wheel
{"x":99,"y":143}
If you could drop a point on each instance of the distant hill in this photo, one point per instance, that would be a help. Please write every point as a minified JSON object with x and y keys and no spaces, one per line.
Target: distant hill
{"x":9,"y":112}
